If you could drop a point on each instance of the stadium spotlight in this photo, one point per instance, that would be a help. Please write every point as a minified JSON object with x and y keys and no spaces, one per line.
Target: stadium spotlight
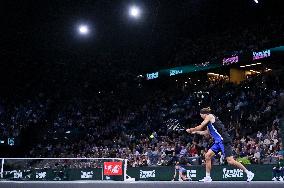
{"x":83,"y":29}
{"x":134,"y":11}
{"x":256,"y":1}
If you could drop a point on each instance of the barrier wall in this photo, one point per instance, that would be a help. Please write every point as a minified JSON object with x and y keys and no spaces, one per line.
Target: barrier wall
{"x":219,"y":173}
{"x":139,"y":184}
{"x":163,"y":173}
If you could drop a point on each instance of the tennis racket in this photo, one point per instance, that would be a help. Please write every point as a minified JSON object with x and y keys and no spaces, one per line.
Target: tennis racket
{"x":175,"y":125}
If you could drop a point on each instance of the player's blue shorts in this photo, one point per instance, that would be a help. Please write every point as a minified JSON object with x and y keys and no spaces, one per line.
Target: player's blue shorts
{"x":226,"y":149}
{"x":182,"y":170}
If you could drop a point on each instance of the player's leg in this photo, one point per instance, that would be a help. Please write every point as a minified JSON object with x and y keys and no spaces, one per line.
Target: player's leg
{"x":274,"y":174}
{"x":183,"y":176}
{"x":233,"y":162}
{"x":227,"y":150}
{"x":281,"y":178}
{"x":210,"y":153}
{"x":208,"y":161}
{"x":175,"y":174}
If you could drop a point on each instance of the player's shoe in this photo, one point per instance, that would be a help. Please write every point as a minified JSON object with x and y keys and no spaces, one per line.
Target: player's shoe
{"x":281,"y":178}
{"x":274,"y":179}
{"x":206,"y":179}
{"x":188,"y":179}
{"x":250,"y":176}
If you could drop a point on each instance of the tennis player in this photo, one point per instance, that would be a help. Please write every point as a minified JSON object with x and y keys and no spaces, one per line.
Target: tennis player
{"x":180,"y":169}
{"x":222,"y":142}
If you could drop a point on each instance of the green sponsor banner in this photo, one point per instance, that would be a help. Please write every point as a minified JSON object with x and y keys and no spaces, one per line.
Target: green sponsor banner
{"x":218,"y":173}
{"x":228,"y":173}
{"x":54,"y":174}
{"x":161,"y":173}
{"x":85,"y":174}
{"x":151,"y":173}
{"x":30,"y":175}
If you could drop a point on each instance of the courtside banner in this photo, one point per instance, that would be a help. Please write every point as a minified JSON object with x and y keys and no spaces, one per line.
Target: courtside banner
{"x":113,"y":168}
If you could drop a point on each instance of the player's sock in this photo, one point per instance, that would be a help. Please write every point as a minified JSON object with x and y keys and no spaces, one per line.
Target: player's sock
{"x":207,"y":174}
{"x":246,"y":171}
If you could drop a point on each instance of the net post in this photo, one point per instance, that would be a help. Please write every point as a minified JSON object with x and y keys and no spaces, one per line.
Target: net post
{"x":2,"y":168}
{"x":125,"y":169}
{"x":103,"y":168}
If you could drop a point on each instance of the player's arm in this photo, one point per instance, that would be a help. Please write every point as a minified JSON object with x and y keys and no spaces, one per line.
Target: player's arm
{"x":201,"y":132}
{"x":201,"y":126}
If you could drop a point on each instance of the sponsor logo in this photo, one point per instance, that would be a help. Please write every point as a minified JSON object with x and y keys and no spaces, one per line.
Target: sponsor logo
{"x":230,"y":60}
{"x":17,"y":174}
{"x":152,"y":76}
{"x":261,"y":55}
{"x":205,"y":64}
{"x":147,"y":174}
{"x":175,"y":72}
{"x":113,"y":168}
{"x":191,"y":173}
{"x":234,"y":173}
{"x":40,"y":175}
{"x":87,"y":175}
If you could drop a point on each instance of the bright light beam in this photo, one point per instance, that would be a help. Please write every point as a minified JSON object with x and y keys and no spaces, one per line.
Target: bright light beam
{"x":83,"y":29}
{"x":134,"y":11}
{"x":256,"y":1}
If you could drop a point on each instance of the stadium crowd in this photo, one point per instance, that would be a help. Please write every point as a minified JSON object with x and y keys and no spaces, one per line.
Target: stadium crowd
{"x":81,"y":118}
{"x":139,"y":133}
